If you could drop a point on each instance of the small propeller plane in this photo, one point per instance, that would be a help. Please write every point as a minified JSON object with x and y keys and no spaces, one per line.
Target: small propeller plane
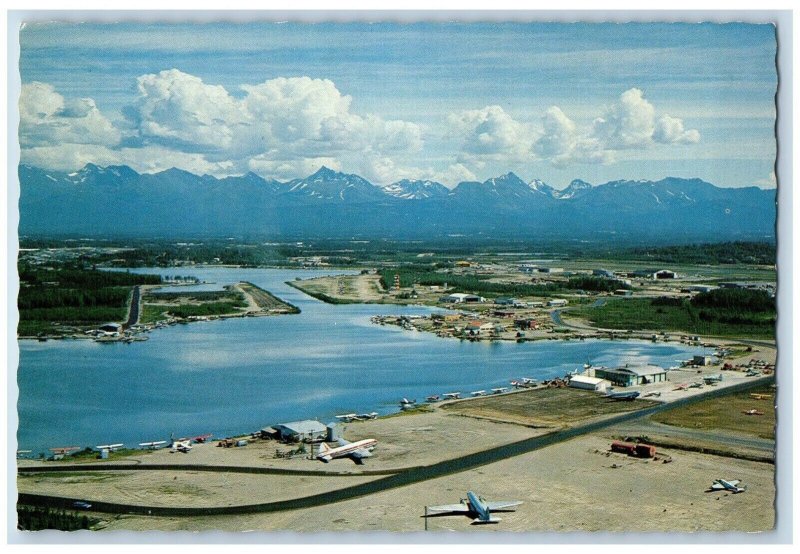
{"x":476,"y":507}
{"x":451,"y":395}
{"x":730,"y":486}
{"x":356,"y":451}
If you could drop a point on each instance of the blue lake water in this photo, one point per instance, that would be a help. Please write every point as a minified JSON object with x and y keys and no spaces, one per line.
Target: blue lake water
{"x":239,"y":375}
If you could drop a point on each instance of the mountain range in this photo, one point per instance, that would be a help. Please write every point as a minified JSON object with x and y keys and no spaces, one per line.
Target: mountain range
{"x":118,"y":201}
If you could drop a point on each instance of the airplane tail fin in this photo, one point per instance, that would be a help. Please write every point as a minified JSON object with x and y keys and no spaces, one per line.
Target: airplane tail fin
{"x":323,"y":448}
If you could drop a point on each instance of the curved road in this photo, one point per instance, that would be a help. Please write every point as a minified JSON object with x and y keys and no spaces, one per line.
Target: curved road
{"x":405,"y":477}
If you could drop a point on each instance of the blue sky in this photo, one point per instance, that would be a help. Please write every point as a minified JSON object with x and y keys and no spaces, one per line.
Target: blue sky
{"x":449,"y":102}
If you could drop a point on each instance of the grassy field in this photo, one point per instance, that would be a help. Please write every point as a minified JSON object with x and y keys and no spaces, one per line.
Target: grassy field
{"x":545,"y":407}
{"x":641,"y":314}
{"x":726,"y":414}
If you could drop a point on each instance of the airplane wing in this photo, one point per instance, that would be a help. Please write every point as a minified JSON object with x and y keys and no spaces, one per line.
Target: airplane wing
{"x":503,"y":504}
{"x":450,"y":508}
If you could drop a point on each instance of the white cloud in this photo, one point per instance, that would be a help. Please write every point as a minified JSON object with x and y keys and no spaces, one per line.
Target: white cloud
{"x":383,"y":170}
{"x":562,"y":143}
{"x":178,"y":109}
{"x":670,"y":130}
{"x":491,"y":133}
{"x":46,"y":118}
{"x":630,"y":123}
{"x":627,"y":124}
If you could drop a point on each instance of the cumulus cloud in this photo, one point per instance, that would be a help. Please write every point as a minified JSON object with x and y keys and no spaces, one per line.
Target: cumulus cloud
{"x":279,"y":120}
{"x":384,"y":170}
{"x":491,"y":133}
{"x":179,"y":110}
{"x":46,"y":118}
{"x":629,"y":123}
{"x":561,"y":143}
{"x":670,"y":130}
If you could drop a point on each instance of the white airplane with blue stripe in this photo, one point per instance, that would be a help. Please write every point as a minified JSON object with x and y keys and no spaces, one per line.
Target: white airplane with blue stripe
{"x":476,"y":507}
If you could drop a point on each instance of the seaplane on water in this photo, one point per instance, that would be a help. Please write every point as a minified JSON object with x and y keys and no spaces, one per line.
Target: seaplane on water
{"x":152,"y":445}
{"x":724,"y":485}
{"x":356,"y":451}
{"x":623,"y":395}
{"x":476,"y":507}
{"x":451,"y":395}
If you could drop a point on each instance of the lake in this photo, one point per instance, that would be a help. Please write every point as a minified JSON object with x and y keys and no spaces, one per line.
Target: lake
{"x":239,"y":375}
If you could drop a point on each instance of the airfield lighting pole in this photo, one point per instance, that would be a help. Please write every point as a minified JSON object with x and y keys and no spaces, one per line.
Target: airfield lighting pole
{"x":426,"y":518}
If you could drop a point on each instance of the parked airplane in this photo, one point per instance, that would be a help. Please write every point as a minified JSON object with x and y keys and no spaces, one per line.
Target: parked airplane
{"x":752,"y":412}
{"x":475,"y":507}
{"x":452,"y":395}
{"x":712,"y":378}
{"x":181,"y":445}
{"x":354,"y":450}
{"x":153,"y":445}
{"x":682,"y":386}
{"x":405,"y":401}
{"x":434,"y":398}
{"x":371,"y":415}
{"x":653,"y":394}
{"x":499,"y":390}
{"x":202,"y":438}
{"x":731,"y":486}
{"x":623,"y":395}
{"x":478,"y":393}
{"x":109,"y":447}
{"x":757,"y":396}
{"x":347,"y":417}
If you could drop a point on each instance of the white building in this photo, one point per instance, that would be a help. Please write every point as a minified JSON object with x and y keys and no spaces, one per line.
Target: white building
{"x":588,"y":383}
{"x":461,"y":298}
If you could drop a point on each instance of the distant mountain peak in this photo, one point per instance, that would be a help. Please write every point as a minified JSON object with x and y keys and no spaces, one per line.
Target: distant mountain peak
{"x":576,"y":188}
{"x":324,"y":172}
{"x":409,"y":189}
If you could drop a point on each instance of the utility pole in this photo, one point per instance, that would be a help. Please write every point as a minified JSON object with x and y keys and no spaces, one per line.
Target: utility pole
{"x":426,"y":518}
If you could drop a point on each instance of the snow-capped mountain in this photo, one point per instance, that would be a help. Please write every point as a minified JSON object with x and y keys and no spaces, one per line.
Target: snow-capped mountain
{"x":117,"y":200}
{"x":329,"y":185}
{"x":576,"y":188}
{"x":415,"y":190}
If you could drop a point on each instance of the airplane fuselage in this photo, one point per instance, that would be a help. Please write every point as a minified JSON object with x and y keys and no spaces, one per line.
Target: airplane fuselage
{"x":348,"y":449}
{"x":478,"y":506}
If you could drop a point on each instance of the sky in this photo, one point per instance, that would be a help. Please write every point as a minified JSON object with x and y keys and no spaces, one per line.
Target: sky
{"x":449,"y":102}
